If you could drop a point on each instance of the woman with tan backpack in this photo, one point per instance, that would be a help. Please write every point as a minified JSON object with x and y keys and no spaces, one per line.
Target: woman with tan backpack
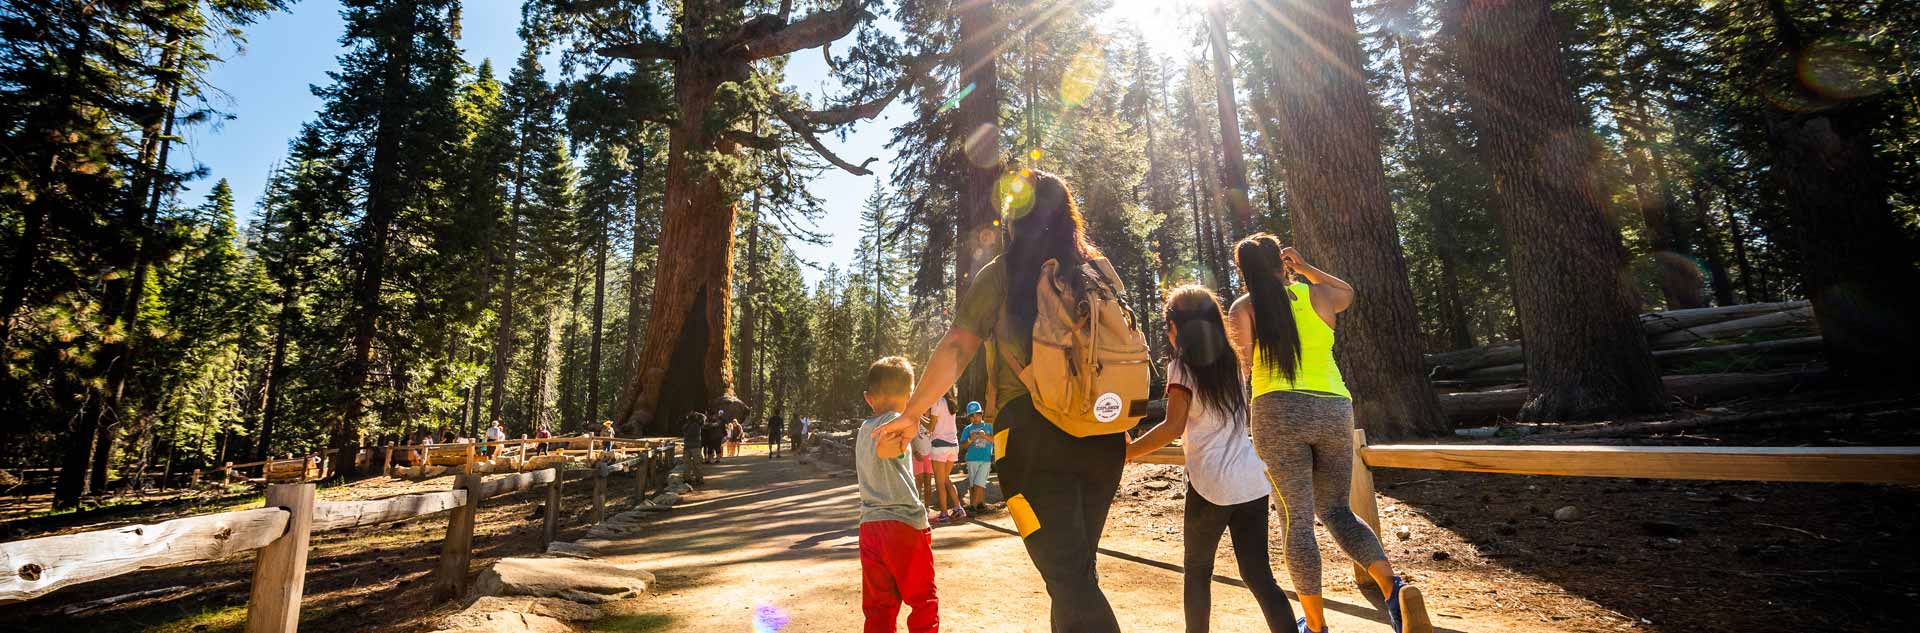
{"x":1067,"y":373}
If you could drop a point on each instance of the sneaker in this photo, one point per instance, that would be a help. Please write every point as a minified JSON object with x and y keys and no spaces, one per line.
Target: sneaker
{"x":959,"y":514}
{"x":1301,"y":626}
{"x":938,"y":519}
{"x":1393,"y":604}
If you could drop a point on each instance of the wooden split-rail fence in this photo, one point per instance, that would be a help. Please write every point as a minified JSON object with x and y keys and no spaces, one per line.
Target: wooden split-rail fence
{"x":1873,"y":465}
{"x":282,"y":530}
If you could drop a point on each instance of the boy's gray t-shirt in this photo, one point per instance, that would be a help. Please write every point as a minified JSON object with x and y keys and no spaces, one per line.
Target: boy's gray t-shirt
{"x":887,"y":491}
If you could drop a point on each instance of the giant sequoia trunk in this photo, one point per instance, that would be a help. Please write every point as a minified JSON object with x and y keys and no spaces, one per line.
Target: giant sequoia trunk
{"x":1585,"y":355}
{"x":683,"y":365}
{"x":1858,"y":261}
{"x":1337,"y":189}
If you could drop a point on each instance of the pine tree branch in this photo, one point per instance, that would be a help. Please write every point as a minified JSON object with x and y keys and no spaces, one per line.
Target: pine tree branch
{"x":748,"y":139}
{"x":854,"y":112}
{"x":649,"y":50}
{"x":806,"y":132}
{"x":772,"y":35}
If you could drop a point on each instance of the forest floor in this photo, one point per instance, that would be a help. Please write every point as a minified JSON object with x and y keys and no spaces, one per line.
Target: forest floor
{"x":1646,"y":555}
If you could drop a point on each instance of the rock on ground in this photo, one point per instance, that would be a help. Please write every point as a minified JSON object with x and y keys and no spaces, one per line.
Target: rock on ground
{"x":571,"y":549}
{"x":591,"y":582}
{"x":520,"y":614}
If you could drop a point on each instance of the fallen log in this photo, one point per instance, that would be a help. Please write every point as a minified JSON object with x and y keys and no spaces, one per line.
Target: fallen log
{"x":1760,"y":355}
{"x":1481,"y":406}
{"x":1664,"y":330}
{"x":1658,"y":323}
{"x":1795,"y":320}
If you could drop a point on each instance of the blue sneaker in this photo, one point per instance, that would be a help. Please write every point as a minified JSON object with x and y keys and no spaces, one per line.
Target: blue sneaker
{"x":1393,"y":604}
{"x":1301,"y":626}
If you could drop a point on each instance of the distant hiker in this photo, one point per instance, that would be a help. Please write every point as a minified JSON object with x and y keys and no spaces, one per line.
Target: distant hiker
{"x":979,"y":455}
{"x":692,"y":431}
{"x":776,"y":431}
{"x":1302,"y":416}
{"x":495,"y":433}
{"x":946,"y":450}
{"x":542,"y":434}
{"x":922,"y":446}
{"x":712,"y":435}
{"x":736,"y":433}
{"x":798,"y":437}
{"x":1059,"y":467}
{"x":606,"y":431}
{"x":896,"y":547}
{"x":1226,"y":483}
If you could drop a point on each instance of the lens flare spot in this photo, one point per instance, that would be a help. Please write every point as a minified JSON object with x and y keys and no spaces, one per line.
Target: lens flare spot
{"x":954,"y":101}
{"x":1016,"y":194}
{"x":1082,"y":76}
{"x":1843,"y":69}
{"x":1035,"y":154}
{"x":768,"y":618}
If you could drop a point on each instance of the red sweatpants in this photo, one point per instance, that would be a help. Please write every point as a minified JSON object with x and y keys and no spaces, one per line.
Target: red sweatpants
{"x":896,"y":565}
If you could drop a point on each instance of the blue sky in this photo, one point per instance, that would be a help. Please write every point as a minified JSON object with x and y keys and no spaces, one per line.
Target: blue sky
{"x":265,"y":87}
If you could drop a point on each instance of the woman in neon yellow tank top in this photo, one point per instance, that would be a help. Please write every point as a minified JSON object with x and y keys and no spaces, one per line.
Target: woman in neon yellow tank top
{"x":1301,"y":416}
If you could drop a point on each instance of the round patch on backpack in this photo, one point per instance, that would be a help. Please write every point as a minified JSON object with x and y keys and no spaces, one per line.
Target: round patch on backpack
{"x":1107,"y":407}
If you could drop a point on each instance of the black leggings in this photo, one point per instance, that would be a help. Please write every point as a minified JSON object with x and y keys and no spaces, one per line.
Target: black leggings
{"x":1248,"y":521}
{"x":1059,"y":488}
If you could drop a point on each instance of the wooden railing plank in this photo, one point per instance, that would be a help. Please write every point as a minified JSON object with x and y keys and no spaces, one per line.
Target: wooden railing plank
{"x":35,"y":567}
{"x":1892,"y":465}
{"x":523,"y":481}
{"x":335,"y":515}
{"x":1889,"y":465}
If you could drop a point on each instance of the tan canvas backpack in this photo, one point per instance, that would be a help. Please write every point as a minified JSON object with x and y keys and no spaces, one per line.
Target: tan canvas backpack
{"x":1091,"y":370}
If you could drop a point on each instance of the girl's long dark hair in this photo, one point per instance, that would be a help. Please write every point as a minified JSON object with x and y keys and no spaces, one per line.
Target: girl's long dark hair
{"x":1048,"y":227}
{"x":1201,"y":345}
{"x":1274,"y":334}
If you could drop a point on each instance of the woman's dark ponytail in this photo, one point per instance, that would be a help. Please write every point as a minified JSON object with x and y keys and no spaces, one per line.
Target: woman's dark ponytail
{"x":1274,"y":334}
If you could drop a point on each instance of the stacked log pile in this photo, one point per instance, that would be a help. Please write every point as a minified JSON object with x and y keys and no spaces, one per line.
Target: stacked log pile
{"x":1707,"y":354}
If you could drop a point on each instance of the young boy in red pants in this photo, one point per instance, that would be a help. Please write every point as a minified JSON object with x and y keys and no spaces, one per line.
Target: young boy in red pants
{"x":896,"y":547}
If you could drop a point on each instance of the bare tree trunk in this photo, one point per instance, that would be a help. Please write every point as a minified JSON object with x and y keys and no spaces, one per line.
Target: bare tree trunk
{"x":385,"y":194}
{"x":1857,"y":259}
{"x":569,"y":370}
{"x":1343,"y":219}
{"x":1233,"y":164}
{"x":599,"y":319}
{"x":1440,"y":212}
{"x":979,"y":127}
{"x":1586,"y":357}
{"x":1710,"y":241}
{"x":749,"y":351}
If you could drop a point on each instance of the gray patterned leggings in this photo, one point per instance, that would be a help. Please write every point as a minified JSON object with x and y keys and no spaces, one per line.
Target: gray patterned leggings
{"x":1307,"y":442}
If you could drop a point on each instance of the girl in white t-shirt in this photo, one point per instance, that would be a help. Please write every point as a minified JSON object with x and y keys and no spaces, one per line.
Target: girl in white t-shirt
{"x":1227,"y":487}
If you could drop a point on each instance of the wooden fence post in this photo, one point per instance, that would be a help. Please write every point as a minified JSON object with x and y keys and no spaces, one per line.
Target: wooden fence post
{"x":280,"y":571}
{"x":552,"y":528}
{"x":456,"y":552}
{"x":466,"y":468}
{"x":1361,"y":497}
{"x":640,"y":476}
{"x":387,"y":462}
{"x":599,"y":493}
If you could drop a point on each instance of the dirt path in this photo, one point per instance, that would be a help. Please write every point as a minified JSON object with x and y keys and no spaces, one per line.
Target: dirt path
{"x":767,"y":535}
